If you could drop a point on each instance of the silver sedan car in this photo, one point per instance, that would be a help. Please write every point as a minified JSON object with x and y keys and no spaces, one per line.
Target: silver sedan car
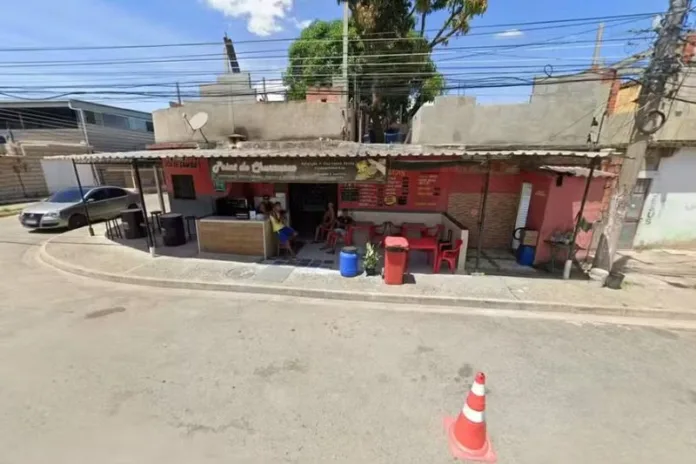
{"x":66,"y":209}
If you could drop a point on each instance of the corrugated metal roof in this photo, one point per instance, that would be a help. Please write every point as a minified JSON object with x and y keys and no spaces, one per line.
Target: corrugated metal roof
{"x":324,"y":149}
{"x":576,"y":171}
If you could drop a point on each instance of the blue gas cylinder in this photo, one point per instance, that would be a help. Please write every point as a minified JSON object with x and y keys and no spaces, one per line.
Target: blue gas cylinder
{"x":348,"y":261}
{"x":525,"y":255}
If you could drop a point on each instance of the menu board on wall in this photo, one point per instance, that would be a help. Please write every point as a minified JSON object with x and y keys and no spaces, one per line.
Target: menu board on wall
{"x":404,"y":190}
{"x":428,"y":190}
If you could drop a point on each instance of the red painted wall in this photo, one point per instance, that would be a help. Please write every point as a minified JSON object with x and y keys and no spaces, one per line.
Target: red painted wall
{"x":560,"y":206}
{"x":198,"y":168}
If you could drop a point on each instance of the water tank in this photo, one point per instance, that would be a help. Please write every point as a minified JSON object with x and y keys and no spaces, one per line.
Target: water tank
{"x":348,"y":261}
{"x":525,"y":255}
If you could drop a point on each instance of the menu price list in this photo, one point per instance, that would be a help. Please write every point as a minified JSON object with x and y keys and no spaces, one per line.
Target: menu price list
{"x":403,"y":190}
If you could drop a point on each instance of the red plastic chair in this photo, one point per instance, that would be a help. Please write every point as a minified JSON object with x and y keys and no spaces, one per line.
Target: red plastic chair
{"x":324,"y":231}
{"x":379,"y":233}
{"x":448,"y":256}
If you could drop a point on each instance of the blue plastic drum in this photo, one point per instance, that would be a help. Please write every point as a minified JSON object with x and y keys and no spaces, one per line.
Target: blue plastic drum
{"x":525,"y":255}
{"x":348,"y":262}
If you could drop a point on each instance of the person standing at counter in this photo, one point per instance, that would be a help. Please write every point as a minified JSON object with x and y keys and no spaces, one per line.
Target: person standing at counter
{"x":285,"y":232}
{"x":327,"y":222}
{"x":266,"y":207}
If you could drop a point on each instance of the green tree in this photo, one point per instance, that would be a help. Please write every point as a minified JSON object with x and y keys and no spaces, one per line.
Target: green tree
{"x":315,"y":58}
{"x":390,"y":62}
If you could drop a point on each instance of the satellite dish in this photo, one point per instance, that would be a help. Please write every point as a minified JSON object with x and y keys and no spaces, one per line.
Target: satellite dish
{"x":198,"y":120}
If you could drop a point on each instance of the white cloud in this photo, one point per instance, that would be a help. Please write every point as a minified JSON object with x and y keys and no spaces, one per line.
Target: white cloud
{"x":263,"y":16}
{"x":301,"y":24}
{"x":509,"y":34}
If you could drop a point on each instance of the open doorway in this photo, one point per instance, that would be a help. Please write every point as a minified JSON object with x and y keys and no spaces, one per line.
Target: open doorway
{"x":307,"y":204}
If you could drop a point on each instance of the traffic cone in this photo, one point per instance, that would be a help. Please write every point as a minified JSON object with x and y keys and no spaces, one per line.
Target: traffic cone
{"x":467,"y":434}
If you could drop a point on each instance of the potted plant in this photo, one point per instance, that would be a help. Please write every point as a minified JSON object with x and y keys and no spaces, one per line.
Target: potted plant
{"x":370,"y":260}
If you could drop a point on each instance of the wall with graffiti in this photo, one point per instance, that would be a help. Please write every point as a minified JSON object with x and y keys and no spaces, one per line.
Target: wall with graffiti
{"x":669,"y":213}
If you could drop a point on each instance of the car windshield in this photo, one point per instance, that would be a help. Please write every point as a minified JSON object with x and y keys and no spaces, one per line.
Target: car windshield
{"x":71,"y":195}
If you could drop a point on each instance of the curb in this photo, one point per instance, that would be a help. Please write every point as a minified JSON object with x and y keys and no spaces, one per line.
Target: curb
{"x":442,"y":301}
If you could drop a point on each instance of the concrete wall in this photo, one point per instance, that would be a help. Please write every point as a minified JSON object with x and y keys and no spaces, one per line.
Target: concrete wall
{"x":47,"y":135}
{"x":100,"y":138}
{"x":235,"y":88}
{"x":109,"y":139}
{"x":396,"y":217}
{"x":21,"y":174}
{"x":60,"y":174}
{"x":278,"y":121}
{"x":669,"y":213}
{"x":557,"y":114}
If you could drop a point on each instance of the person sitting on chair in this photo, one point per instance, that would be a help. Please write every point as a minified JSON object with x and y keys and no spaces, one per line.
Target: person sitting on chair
{"x":285,"y":232}
{"x":342,"y":223}
{"x":327,"y":223}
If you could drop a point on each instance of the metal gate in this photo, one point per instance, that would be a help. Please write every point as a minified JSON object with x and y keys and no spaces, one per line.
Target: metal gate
{"x":634,"y":213}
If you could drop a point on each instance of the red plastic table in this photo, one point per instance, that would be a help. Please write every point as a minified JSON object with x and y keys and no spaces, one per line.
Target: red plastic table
{"x":424,"y":244}
{"x":367,"y":226}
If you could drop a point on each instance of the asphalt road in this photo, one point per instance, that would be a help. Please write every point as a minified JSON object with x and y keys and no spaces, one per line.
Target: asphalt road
{"x":97,"y":372}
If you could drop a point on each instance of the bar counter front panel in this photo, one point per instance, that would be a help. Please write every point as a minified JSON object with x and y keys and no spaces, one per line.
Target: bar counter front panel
{"x":224,"y":234}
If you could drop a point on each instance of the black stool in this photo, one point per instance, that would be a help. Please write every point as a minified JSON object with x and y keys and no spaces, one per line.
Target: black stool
{"x":113,"y":229}
{"x":156,"y":221}
{"x":190,"y":220}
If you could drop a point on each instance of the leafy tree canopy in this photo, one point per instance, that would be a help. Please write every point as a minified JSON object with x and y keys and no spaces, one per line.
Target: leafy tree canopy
{"x":391,"y":71}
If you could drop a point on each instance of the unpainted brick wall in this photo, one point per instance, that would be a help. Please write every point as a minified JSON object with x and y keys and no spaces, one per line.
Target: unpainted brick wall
{"x":324,"y":94}
{"x":501,"y":212}
{"x":109,"y":176}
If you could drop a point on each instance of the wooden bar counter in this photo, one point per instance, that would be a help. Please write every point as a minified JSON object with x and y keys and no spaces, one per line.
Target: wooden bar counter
{"x":226,"y":234}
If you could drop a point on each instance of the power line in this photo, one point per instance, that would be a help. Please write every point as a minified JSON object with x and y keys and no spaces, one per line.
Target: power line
{"x":522,"y":83}
{"x":185,"y":58}
{"x":564,"y":21}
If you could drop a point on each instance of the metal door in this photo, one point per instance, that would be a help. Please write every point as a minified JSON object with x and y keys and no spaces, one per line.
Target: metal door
{"x":636,"y":201}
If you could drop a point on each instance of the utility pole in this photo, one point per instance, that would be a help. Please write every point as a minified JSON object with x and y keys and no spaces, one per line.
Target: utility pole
{"x":648,"y":120}
{"x":178,"y":93}
{"x":344,"y":66}
{"x":596,"y":56}
{"x":265,"y":95}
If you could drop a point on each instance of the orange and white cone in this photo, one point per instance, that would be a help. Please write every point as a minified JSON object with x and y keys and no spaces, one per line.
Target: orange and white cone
{"x":467,"y":434}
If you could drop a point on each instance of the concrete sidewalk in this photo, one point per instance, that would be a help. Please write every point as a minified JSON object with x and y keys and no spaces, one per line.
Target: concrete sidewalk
{"x":98,"y":257}
{"x":659,"y":267}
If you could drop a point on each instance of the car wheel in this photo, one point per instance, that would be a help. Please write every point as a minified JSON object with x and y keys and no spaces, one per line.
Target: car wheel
{"x":76,"y":221}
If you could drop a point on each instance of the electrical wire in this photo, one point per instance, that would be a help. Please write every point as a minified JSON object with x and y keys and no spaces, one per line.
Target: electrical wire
{"x":563,"y":22}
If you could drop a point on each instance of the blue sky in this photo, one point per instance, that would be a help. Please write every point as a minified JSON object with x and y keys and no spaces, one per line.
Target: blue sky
{"x":47,"y":23}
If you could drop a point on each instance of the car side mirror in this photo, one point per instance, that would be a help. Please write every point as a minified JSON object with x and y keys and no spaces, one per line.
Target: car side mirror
{"x":89,"y":200}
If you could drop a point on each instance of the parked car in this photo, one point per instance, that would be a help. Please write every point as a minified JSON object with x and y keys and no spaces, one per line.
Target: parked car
{"x":65,"y":208}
